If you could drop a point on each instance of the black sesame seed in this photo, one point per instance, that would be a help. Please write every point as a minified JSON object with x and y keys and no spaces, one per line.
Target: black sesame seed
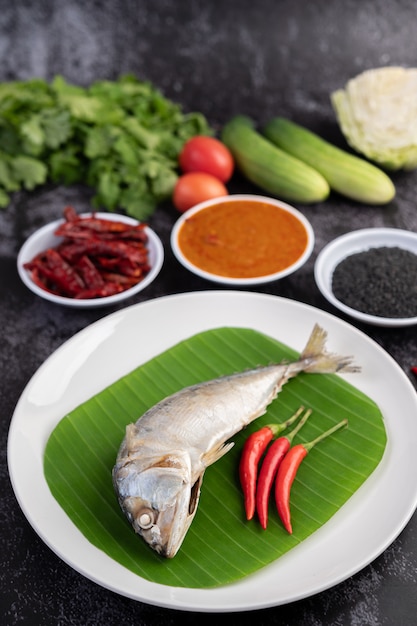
{"x":379,"y":281}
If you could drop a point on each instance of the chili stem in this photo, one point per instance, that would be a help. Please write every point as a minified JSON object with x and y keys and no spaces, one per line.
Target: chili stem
{"x":332,"y":430}
{"x":279,"y":428}
{"x":299,"y":426}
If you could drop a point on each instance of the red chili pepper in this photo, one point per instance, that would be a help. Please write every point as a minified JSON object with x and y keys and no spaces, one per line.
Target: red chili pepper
{"x":273,"y":458}
{"x":95,"y":247}
{"x":70,"y":214}
{"x":86,"y":227}
{"x":60,"y":277}
{"x":121,"y":279}
{"x":254,"y":447}
{"x":108,"y":289}
{"x":288,"y":470}
{"x":414,"y":370}
{"x":89,"y":273}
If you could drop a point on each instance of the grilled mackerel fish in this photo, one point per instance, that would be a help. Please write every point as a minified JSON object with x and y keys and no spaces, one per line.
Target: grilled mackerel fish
{"x":163,"y":456}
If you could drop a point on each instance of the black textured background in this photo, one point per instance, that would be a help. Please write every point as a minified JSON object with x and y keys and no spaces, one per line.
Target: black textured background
{"x":262,"y":59}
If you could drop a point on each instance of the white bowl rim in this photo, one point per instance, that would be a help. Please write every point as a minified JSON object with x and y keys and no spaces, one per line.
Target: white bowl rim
{"x":257,"y":280}
{"x":154,"y":243}
{"x":357,"y":241}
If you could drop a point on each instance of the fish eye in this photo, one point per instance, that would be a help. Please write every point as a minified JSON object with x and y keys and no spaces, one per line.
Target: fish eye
{"x":146,"y":519}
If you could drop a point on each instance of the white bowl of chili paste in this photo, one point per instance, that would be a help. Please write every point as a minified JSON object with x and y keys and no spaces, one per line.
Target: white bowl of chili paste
{"x":242,"y":239}
{"x":90,"y":260}
{"x":371,"y":275}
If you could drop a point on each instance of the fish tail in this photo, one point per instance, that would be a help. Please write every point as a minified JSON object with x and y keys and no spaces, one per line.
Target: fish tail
{"x":316,"y":359}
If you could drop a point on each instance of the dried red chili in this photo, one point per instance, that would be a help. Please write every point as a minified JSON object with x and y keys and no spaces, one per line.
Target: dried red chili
{"x":86,"y":227}
{"x":287,"y":472}
{"x":56,"y":273}
{"x":253,"y":449}
{"x":269,"y":468}
{"x":89,"y":273}
{"x":70,"y":214}
{"x":108,"y":289}
{"x":96,"y":258}
{"x":94,"y":246}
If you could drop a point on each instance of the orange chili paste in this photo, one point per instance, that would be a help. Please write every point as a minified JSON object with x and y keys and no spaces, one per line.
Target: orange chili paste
{"x":242,"y":239}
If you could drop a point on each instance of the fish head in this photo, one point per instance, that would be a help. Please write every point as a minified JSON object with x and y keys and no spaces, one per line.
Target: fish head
{"x":159,"y":498}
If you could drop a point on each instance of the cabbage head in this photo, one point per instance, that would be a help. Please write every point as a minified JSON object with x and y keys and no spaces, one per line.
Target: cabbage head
{"x":377,"y":114}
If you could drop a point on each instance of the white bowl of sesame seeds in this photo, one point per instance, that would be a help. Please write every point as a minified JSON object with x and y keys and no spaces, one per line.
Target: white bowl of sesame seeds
{"x":371,"y":275}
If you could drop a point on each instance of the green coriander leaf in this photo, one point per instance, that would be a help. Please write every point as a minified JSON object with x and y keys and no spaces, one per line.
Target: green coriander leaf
{"x":10,"y":139}
{"x":112,"y":92}
{"x":7,"y":179}
{"x":98,"y":142}
{"x":193,"y":124}
{"x":4,"y":199}
{"x":146,"y":138}
{"x":171,"y":145}
{"x":60,"y":86}
{"x":163,"y":183}
{"x":130,"y":173}
{"x":66,"y":167}
{"x":96,"y":167}
{"x":137,"y":203}
{"x":56,"y":125}
{"x":126,"y":148}
{"x":81,"y":104}
{"x":82,"y":107}
{"x":33,"y":134}
{"x":29,"y":171}
{"x":108,"y":190}
{"x":21,"y":98}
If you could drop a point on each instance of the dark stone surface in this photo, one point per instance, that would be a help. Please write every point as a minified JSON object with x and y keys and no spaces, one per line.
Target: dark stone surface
{"x":221,"y":58}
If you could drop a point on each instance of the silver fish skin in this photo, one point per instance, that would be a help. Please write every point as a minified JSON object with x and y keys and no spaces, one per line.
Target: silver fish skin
{"x":162,"y":459}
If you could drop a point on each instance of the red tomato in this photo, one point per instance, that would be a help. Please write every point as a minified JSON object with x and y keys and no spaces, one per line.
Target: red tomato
{"x":207,"y":154}
{"x":195,"y":187}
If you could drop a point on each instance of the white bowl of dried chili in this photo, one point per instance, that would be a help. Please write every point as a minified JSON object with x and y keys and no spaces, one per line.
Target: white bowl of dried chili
{"x":371,"y":275}
{"x":242,"y":239}
{"x":90,"y":260}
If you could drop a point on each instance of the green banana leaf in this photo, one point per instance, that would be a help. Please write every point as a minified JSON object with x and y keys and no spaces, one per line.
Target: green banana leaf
{"x":220,"y":546}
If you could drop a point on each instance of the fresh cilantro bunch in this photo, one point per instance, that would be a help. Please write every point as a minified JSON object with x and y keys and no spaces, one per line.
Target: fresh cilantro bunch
{"x":120,"y":137}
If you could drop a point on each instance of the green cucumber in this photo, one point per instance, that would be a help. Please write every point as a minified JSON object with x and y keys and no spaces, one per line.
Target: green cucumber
{"x":270,"y":168}
{"x":346,"y":173}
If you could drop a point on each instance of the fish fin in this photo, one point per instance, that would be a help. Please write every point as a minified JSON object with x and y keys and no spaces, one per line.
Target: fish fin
{"x":215,"y":454}
{"x":316,"y":359}
{"x":130,"y":437}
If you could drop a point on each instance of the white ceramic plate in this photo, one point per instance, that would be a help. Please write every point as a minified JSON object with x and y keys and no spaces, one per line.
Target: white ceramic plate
{"x":116,"y":344}
{"x":45,"y":238}
{"x":352,"y":243}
